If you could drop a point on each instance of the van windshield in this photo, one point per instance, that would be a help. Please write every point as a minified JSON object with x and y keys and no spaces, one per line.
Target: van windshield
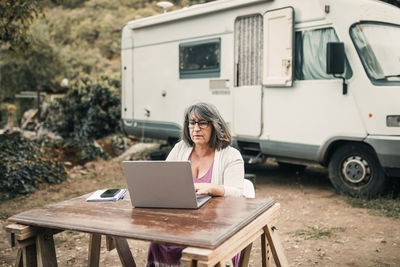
{"x":378,"y":45}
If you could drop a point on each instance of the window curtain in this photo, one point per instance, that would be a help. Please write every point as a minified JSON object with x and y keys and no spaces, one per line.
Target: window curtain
{"x":310,"y":54}
{"x":249,"y":50}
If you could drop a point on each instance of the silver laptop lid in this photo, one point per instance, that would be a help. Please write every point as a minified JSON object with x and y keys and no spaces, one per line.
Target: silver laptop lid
{"x":160,"y":184}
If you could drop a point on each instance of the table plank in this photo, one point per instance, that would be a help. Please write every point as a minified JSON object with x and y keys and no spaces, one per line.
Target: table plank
{"x":207,"y":227}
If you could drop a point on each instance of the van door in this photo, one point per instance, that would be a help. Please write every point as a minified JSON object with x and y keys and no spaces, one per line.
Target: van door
{"x":278,"y":47}
{"x":247,"y":92}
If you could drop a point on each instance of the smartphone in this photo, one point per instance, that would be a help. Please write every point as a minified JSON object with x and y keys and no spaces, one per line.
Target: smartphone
{"x":110,"y":192}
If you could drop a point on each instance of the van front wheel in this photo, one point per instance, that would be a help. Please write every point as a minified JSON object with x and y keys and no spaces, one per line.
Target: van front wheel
{"x":354,"y":169}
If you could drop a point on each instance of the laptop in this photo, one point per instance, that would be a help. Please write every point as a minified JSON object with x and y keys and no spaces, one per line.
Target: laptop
{"x":162,"y":184}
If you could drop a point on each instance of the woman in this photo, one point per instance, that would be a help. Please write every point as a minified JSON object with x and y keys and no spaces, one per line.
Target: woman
{"x":217,"y":168}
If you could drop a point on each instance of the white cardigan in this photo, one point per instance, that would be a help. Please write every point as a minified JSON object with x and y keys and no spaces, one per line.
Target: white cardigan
{"x":228,"y":169}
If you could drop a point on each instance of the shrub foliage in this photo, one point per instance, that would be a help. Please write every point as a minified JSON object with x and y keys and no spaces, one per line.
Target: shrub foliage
{"x":23,"y":165}
{"x":89,"y":111}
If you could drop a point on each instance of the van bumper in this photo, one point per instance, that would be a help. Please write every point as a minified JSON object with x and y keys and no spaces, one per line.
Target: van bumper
{"x":387,"y":149}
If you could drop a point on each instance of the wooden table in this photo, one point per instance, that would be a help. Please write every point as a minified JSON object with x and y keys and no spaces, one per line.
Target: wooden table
{"x":213,"y":234}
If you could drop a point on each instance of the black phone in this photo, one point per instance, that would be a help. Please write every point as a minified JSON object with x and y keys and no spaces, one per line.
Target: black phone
{"x":110,"y":192}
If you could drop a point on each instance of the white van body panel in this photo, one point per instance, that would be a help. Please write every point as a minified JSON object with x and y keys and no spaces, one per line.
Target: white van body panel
{"x":298,"y":121}
{"x":336,"y":116}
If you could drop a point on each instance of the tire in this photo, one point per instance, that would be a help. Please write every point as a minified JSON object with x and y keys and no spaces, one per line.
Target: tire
{"x":291,"y":167}
{"x":354,"y":169}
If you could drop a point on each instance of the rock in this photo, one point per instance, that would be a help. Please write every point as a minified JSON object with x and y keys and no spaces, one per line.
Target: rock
{"x":119,"y":144}
{"x":43,"y":132}
{"x":71,"y":261}
{"x":44,"y":110}
{"x":29,"y":134}
{"x":67,"y":164}
{"x":99,"y":147}
{"x":136,"y":148}
{"x":90,"y":165}
{"x":29,"y":120}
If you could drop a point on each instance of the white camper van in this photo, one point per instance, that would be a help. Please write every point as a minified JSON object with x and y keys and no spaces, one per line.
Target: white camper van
{"x":303,"y":81}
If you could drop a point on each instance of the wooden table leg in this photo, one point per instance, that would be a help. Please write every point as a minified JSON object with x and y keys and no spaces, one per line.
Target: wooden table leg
{"x":26,"y":255}
{"x":276,"y":247}
{"x":245,"y":256}
{"x":124,"y":252}
{"x":266,"y":259}
{"x":19,"y":261}
{"x":46,"y":252}
{"x":29,"y":256}
{"x":94,"y":250}
{"x":110,"y":244}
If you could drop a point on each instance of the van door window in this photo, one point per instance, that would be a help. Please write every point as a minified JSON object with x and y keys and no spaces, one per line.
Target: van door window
{"x":200,"y":59}
{"x":310,"y":54}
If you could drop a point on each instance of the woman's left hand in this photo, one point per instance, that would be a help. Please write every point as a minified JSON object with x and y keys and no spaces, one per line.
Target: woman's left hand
{"x":209,"y":189}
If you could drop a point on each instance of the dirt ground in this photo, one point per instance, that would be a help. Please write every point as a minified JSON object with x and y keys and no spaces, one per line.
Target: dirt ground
{"x":317,"y":227}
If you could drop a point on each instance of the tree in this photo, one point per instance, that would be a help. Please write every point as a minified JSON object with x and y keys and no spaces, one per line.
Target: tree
{"x":43,"y":65}
{"x":16,"y":16}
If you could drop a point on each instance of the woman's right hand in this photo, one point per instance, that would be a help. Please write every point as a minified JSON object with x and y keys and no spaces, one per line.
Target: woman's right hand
{"x":209,"y":189}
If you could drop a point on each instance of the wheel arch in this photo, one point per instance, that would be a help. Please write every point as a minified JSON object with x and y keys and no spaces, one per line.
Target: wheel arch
{"x":327,"y":150}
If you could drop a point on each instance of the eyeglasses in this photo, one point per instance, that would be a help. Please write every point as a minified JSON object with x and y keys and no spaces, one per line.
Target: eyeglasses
{"x":202,"y":124}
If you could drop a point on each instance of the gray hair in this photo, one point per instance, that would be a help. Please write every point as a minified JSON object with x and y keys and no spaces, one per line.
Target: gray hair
{"x":220,"y":136}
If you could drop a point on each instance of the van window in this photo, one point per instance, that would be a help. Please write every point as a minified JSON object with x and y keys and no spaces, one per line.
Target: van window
{"x":378,"y":45}
{"x":310,"y":54}
{"x":200,"y":59}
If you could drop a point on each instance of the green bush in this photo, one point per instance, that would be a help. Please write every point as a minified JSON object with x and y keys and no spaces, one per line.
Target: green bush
{"x":89,"y":111}
{"x":23,"y":165}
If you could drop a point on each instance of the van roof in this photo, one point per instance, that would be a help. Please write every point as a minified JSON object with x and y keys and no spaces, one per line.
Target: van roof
{"x":195,"y":10}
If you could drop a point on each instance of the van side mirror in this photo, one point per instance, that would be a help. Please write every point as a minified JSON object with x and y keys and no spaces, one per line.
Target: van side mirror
{"x":335,"y":60}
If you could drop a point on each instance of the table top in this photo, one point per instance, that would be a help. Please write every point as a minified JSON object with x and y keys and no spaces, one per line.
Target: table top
{"x":208,"y":227}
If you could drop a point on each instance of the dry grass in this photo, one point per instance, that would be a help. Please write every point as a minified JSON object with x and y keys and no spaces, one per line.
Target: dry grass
{"x":315,"y":232}
{"x":387,"y":206}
